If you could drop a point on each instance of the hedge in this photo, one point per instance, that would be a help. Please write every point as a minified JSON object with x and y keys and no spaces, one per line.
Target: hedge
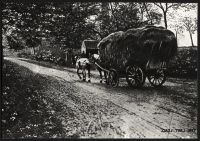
{"x":184,"y":64}
{"x":53,"y":55}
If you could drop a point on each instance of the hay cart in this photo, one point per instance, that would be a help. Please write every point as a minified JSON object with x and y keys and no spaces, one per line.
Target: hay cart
{"x":137,"y":54}
{"x":136,"y":75}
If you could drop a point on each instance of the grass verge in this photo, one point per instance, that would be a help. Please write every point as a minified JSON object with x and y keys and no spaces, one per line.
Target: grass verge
{"x":24,"y":107}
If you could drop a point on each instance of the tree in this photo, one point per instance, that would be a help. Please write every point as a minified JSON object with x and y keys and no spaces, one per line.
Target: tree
{"x":23,"y":19}
{"x":190,"y":25}
{"x":148,"y":14}
{"x":147,"y":8}
{"x":175,"y":22}
{"x":165,"y":8}
{"x":73,"y":28}
{"x":178,"y":28}
{"x":14,"y":43}
{"x":68,"y":23}
{"x":124,"y":15}
{"x":119,"y":16}
{"x":63,"y":21}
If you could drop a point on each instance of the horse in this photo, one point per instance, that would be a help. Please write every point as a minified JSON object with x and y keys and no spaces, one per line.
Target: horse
{"x":83,"y":64}
{"x":86,"y":64}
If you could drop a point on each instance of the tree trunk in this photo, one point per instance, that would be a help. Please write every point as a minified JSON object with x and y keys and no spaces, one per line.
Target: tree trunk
{"x":33,"y":50}
{"x":165,"y":18}
{"x":176,"y":35}
{"x":148,"y":14}
{"x":142,"y":15}
{"x":191,"y":38}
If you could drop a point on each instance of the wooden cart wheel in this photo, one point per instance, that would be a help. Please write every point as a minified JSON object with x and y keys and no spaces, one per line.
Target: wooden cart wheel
{"x":157,"y":78}
{"x":135,"y":76}
{"x":113,"y":78}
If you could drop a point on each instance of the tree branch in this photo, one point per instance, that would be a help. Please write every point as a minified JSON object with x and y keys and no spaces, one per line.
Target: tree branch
{"x":112,"y":11}
{"x":166,"y":6}
{"x":115,"y":17}
{"x":159,"y":5}
{"x":147,"y":12}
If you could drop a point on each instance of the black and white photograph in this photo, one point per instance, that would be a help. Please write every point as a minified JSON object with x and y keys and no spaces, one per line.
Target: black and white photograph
{"x":99,"y":70}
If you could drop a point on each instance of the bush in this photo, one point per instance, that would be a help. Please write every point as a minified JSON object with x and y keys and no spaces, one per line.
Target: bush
{"x":184,"y":64}
{"x":25,"y":55}
{"x":53,"y":55}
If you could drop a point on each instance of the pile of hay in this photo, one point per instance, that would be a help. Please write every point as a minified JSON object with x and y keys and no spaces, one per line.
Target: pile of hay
{"x":137,"y":46}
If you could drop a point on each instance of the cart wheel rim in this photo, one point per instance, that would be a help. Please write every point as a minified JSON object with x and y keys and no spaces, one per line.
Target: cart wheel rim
{"x":158,"y":78}
{"x":134,"y":76}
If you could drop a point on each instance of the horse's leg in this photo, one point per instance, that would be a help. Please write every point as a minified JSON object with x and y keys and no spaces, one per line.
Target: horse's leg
{"x":78,"y":66}
{"x":77,"y":71}
{"x":100,"y":72}
{"x":84,"y":74}
{"x":105,"y":76}
{"x":88,"y":68}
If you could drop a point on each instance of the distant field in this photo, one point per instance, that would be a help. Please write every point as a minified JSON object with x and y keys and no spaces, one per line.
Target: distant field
{"x":187,"y":47}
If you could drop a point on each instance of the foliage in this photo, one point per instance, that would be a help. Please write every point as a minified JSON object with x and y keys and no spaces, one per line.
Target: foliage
{"x":61,"y":20}
{"x":118,"y":16}
{"x":51,"y":54}
{"x":184,"y":64}
{"x":190,"y":25}
{"x":21,"y":19}
{"x":153,"y":17}
{"x":182,"y":18}
{"x":32,"y":42}
{"x":64,"y":21}
{"x":69,"y":23}
{"x":24,"y":54}
{"x":14,"y":43}
{"x":165,"y":9}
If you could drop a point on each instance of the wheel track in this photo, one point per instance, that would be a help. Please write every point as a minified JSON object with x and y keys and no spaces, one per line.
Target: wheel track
{"x":156,"y":126}
{"x":153,"y":122}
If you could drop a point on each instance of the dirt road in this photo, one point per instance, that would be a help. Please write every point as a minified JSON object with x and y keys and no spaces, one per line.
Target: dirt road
{"x":105,"y":112}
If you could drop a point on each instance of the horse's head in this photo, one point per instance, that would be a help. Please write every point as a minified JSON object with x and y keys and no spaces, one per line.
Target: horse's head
{"x":76,"y":57}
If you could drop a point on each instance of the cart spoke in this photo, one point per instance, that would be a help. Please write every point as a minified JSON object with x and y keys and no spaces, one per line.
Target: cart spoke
{"x":159,"y":81}
{"x":156,"y":81}
{"x":131,"y":76}
{"x":157,"y":78}
{"x":138,"y":80}
{"x":134,"y":76}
